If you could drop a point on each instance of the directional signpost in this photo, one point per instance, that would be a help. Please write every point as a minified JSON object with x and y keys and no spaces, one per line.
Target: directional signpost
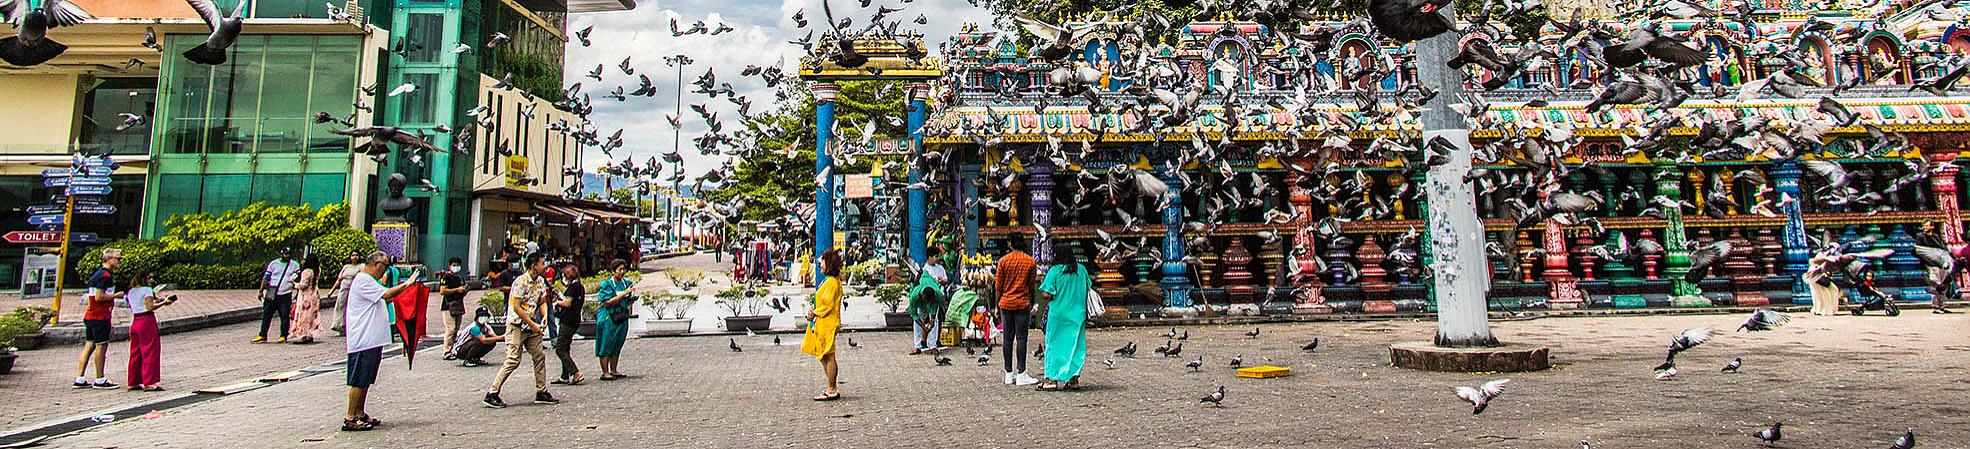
{"x":83,"y":185}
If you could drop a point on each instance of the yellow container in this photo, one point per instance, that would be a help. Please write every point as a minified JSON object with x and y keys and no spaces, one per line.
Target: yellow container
{"x":1265,"y":372}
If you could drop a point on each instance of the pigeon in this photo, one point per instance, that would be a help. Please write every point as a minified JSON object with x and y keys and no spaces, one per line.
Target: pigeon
{"x":1481,"y":396}
{"x":984,"y":360}
{"x":496,"y":39}
{"x":150,"y":39}
{"x":1907,"y":441}
{"x":1310,"y":347}
{"x":583,"y":35}
{"x":403,"y":89}
{"x":733,"y":344}
{"x":1216,"y":398}
{"x":941,"y":360}
{"x":225,"y":30}
{"x":1683,"y":341}
{"x":850,"y":340}
{"x":1195,"y":365}
{"x":1409,"y":20}
{"x":380,"y":138}
{"x":1185,"y":336}
{"x":1770,"y":435}
{"x":1764,"y":320}
{"x":1253,"y":334}
{"x":1236,"y":361}
{"x":129,"y":121}
{"x":1109,"y":362}
{"x":1174,"y":351}
{"x":32,"y":46}
{"x":1732,"y":367}
{"x":1127,"y":350}
{"x":1666,"y":373}
{"x":776,"y":339}
{"x":1040,"y":352}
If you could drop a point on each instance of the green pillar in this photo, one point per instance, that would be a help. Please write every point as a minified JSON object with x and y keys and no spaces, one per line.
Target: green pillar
{"x":1668,"y":183}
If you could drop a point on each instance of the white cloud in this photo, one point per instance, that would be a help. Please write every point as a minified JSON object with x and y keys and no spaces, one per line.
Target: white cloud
{"x":761,"y":31}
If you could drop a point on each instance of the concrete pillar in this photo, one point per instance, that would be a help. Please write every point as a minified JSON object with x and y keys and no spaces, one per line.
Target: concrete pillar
{"x":919,"y":211}
{"x":1176,"y":280}
{"x":1455,"y":234}
{"x":1039,"y":191}
{"x":1942,"y":184}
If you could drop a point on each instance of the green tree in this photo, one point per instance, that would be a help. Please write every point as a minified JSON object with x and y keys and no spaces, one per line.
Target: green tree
{"x":784,"y":165}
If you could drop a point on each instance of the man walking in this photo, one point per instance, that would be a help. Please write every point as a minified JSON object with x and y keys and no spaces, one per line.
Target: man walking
{"x":452,"y":289}
{"x":1015,"y":287}
{"x":523,"y":331}
{"x":95,"y":322}
{"x":277,"y":293}
{"x":368,"y":326}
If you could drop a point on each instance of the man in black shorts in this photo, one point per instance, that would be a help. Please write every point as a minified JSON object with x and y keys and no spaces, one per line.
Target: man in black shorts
{"x":95,"y":322}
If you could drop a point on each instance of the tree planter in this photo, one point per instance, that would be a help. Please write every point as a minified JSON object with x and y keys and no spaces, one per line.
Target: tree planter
{"x":7,"y":362}
{"x":586,"y":329}
{"x":27,"y":342}
{"x":896,"y":319}
{"x":664,"y":327}
{"x":754,"y":323}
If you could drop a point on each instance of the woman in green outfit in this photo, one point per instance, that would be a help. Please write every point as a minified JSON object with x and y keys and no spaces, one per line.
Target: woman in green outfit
{"x":1066,"y":288}
{"x":612,"y":319}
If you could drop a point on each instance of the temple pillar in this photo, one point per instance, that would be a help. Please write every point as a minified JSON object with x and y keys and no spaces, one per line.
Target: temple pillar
{"x":1176,"y":282}
{"x":918,"y":213}
{"x":1565,"y":291}
{"x":1793,"y":235}
{"x":824,"y":202}
{"x":1942,"y":184}
{"x":1039,"y":193}
{"x":1306,"y":247}
{"x":1677,"y":260}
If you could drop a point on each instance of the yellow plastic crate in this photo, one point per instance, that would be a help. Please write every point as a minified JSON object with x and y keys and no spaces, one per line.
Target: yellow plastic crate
{"x":1265,"y":372}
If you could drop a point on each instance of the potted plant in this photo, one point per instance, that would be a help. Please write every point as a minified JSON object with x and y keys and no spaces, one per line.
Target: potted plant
{"x":11,"y":326}
{"x":747,"y":308}
{"x":494,"y":303}
{"x":891,"y":297}
{"x":31,"y":338}
{"x":865,"y":273}
{"x":588,"y":309}
{"x":667,"y":313}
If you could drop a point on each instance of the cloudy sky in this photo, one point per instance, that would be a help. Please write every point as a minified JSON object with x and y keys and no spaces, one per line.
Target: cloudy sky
{"x":762,"y":29}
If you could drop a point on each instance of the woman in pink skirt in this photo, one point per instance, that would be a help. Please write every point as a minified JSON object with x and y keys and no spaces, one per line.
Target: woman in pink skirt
{"x":145,"y":352}
{"x":307,"y":302}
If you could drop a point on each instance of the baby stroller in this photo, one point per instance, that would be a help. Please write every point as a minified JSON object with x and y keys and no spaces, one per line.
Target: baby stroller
{"x":1875,"y":298}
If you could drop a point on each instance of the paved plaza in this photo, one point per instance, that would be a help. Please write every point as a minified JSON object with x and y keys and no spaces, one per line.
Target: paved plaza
{"x":1837,"y":382}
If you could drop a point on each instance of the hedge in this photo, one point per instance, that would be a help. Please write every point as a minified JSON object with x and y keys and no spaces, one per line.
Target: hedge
{"x":213,"y":277}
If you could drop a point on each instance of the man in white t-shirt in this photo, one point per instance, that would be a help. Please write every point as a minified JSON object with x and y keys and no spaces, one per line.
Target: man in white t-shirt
{"x":277,"y":293}
{"x":368,"y":326}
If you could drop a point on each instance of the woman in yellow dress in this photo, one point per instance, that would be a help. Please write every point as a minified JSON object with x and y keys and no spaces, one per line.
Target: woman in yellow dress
{"x":824,"y":320}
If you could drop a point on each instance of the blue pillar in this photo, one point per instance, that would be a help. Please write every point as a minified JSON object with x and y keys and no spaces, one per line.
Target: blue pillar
{"x":968,"y":190}
{"x":1176,"y":280}
{"x":1039,"y":191}
{"x":1793,"y":235}
{"x":824,"y":200}
{"x":919,"y":199}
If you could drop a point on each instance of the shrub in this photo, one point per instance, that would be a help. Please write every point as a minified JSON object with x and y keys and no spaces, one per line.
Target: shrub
{"x":494,"y":302}
{"x":251,"y":233}
{"x":38,"y":314}
{"x":891,"y":296}
{"x":18,"y":324}
{"x":336,"y":246}
{"x":669,"y":305}
{"x":212,"y":277}
{"x":138,"y":255}
{"x":740,"y":300}
{"x":685,"y":278}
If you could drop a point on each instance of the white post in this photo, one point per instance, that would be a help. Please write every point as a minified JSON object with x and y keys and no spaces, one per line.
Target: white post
{"x":1456,"y":233}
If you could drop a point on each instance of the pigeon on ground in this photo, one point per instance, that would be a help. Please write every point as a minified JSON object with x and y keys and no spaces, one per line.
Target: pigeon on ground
{"x":1770,"y":435}
{"x":1216,"y":398}
{"x":1236,"y":361}
{"x":1732,"y":367}
{"x":733,"y":344}
{"x":1195,"y":365}
{"x":1175,"y":351}
{"x":776,"y":339}
{"x":1907,"y":441}
{"x":1253,"y":334}
{"x":1185,"y":336}
{"x":1310,"y":347}
{"x":1481,"y":396}
{"x":1668,"y":373}
{"x":851,"y":342}
{"x":1127,"y":350}
{"x":984,"y":360}
{"x":1109,"y":362}
{"x":941,"y":360}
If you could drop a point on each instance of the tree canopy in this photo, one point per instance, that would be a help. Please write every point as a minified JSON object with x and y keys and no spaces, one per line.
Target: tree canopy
{"x":784,"y":165}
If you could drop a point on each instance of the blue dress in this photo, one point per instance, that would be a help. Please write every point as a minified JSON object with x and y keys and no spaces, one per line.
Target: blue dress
{"x":609,"y":335}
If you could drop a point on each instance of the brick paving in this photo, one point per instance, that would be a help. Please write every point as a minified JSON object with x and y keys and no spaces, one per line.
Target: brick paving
{"x":1837,"y":382}
{"x":190,"y":303}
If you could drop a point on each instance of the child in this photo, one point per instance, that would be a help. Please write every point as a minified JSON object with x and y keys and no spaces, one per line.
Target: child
{"x":981,"y":326}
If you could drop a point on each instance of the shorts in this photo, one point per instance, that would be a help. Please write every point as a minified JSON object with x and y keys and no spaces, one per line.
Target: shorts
{"x":362,"y":366}
{"x":96,"y":331}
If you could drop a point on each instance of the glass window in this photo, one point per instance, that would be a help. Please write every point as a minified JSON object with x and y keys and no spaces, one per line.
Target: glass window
{"x":225,"y":193}
{"x":425,"y":35}
{"x":177,"y":195}
{"x":283,"y":115}
{"x":332,"y":88}
{"x":323,"y":188}
{"x":282,"y":189}
{"x":113,"y":96}
{"x":241,"y":111}
{"x":417,"y":106}
{"x":263,"y":99}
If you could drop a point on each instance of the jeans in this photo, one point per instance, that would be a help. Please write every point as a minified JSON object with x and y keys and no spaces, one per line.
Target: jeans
{"x":1016,"y":322}
{"x":280,"y":304}
{"x":563,"y":343}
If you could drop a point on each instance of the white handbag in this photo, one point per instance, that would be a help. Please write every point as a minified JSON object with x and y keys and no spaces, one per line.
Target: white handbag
{"x":1095,"y":307}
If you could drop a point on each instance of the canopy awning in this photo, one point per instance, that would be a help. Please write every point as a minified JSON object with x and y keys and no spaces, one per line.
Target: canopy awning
{"x":606,"y":216}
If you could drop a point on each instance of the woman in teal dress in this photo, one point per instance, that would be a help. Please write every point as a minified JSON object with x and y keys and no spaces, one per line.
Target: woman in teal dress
{"x":1066,"y":289}
{"x":612,"y":319}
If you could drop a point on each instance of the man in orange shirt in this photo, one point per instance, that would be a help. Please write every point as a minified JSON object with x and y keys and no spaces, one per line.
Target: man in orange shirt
{"x":1015,"y":288}
{"x":95,"y":322}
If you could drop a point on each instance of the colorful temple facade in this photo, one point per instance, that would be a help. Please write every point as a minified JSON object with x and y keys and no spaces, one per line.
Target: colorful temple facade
{"x":1248,"y":258}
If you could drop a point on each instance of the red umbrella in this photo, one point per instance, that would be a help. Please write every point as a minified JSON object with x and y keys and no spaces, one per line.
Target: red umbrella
{"x":410,"y":305}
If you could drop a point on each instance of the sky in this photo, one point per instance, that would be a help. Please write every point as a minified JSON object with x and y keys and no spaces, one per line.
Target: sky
{"x":761,"y":31}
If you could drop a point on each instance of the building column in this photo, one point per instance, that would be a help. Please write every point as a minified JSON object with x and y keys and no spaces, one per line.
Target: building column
{"x":824,"y":201}
{"x":919,"y":199}
{"x":969,"y":189}
{"x":1176,"y":280}
{"x":1794,"y":259}
{"x":1668,"y":183}
{"x":1039,"y":193}
{"x":1564,"y":291}
{"x":1942,"y":186}
{"x":1305,"y":255}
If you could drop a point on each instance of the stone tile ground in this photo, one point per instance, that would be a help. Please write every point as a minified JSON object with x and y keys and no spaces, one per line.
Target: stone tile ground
{"x":1837,"y":382}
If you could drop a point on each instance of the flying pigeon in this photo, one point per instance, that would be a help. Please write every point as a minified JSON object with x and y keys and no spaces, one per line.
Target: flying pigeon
{"x":225,"y":30}
{"x":1481,"y":396}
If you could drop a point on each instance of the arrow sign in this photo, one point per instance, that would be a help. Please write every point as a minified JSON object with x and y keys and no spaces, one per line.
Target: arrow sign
{"x":32,"y":237}
{"x":79,"y":181}
{"x":95,"y":209}
{"x":86,"y":171}
{"x":83,"y":237}
{"x":44,"y":219}
{"x":96,"y":162}
{"x":89,"y":190}
{"x":45,"y":209}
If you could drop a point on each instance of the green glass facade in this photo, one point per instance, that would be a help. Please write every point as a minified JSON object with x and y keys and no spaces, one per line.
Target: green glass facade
{"x":230,"y":135}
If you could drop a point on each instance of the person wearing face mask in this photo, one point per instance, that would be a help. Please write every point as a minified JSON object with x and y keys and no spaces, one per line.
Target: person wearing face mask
{"x":452,"y":289}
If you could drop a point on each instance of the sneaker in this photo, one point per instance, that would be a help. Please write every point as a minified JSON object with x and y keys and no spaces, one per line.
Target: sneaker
{"x":103,"y":384}
{"x":1022,"y":380}
{"x":474,"y":362}
{"x":492,"y":401}
{"x":544,"y":398}
{"x":1009,"y":379}
{"x":281,"y":340}
{"x":79,"y":383}
{"x":260,"y":339}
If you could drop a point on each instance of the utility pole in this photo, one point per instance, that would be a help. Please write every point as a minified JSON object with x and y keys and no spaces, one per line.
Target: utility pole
{"x":1456,"y":234}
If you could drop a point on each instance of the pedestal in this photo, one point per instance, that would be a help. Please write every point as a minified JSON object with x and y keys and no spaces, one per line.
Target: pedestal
{"x":1237,"y":279}
{"x":1308,"y":301}
{"x":1510,"y":357}
{"x":397,"y":239}
{"x":1111,"y":274}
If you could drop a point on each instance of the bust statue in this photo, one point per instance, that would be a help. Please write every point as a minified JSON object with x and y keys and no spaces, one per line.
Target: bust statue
{"x":396,"y":204}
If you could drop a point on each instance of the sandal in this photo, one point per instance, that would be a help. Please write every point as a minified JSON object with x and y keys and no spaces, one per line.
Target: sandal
{"x":577,"y":380}
{"x":1047,"y":387}
{"x":371,"y":420}
{"x":606,"y":377}
{"x":356,"y":425}
{"x":827,"y":397}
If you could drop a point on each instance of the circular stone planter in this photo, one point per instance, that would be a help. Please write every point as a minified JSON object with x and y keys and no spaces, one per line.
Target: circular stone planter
{"x":7,"y":362}
{"x":1509,"y":357}
{"x":662,"y":327}
{"x":756,"y":323}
